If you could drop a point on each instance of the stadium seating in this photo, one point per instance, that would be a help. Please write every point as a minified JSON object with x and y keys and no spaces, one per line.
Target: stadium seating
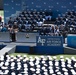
{"x":30,"y":19}
{"x":43,"y":65}
{"x":33,"y":20}
{"x":68,"y":20}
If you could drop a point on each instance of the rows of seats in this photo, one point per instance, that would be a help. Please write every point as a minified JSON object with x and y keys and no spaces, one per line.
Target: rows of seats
{"x":30,"y":17}
{"x":43,"y":65}
{"x":69,"y":18}
{"x":33,"y":20}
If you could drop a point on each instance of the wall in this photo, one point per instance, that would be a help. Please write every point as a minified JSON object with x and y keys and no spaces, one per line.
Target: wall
{"x":10,"y":7}
{"x":57,"y":6}
{"x":71,"y":40}
{"x":39,"y":50}
{"x":1,"y":4}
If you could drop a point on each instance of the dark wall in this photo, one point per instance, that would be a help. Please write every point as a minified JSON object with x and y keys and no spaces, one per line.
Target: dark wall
{"x":39,"y":50}
{"x":1,"y":4}
{"x":56,"y":6}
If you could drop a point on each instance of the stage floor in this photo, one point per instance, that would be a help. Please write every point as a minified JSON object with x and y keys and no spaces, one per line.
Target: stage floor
{"x":15,"y":43}
{"x":24,"y":44}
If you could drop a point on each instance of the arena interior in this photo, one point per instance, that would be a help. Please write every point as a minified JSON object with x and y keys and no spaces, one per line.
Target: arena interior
{"x":37,"y":37}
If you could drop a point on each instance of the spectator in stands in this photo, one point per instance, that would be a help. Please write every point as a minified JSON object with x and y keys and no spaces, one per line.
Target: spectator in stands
{"x":42,"y":31}
{"x":0,"y":19}
{"x":15,"y":20}
{"x":23,"y":28}
{"x":39,"y":23}
{"x":68,"y":20}
{"x":68,"y":12}
{"x":48,"y":18}
{"x":10,"y":20}
{"x":24,"y":20}
{"x":48,"y":15}
{"x":4,"y":28}
{"x":1,"y":27}
{"x":19,"y":21}
{"x":28,"y":26}
{"x":47,"y":30}
{"x":61,"y":27}
{"x":52,"y":30}
{"x":57,"y":22}
{"x":57,"y":32}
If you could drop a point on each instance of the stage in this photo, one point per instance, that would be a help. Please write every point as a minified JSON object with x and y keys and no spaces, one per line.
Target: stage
{"x":29,"y":45}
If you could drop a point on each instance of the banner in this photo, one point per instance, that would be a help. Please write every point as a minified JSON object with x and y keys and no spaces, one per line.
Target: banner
{"x":49,"y":41}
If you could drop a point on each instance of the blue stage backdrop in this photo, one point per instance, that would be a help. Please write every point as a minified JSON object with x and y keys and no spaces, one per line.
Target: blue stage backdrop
{"x":71,"y":41}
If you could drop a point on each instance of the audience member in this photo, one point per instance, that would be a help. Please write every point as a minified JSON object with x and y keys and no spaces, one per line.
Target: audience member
{"x":5,"y":56}
{"x":43,"y":65}
{"x":0,"y":19}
